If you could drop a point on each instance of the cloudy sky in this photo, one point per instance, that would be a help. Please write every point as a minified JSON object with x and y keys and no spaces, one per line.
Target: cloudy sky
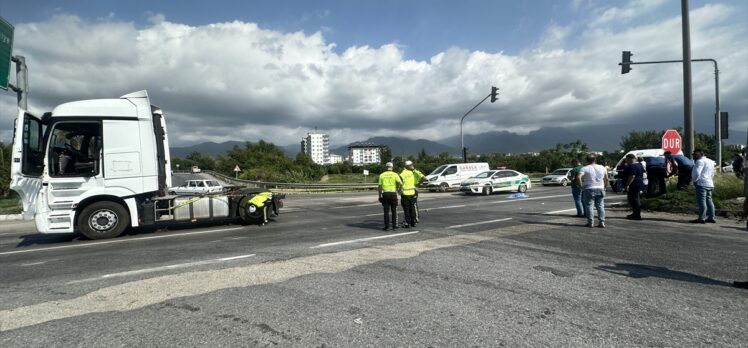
{"x":245,"y":70}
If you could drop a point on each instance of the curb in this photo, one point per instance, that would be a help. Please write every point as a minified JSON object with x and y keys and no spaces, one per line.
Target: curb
{"x":11,"y":217}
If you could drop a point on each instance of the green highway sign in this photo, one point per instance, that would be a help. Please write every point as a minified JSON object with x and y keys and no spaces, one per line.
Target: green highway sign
{"x":6,"y":52}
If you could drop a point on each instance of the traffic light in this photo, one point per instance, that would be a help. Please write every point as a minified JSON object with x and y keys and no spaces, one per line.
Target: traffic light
{"x":626,"y":62}
{"x":494,"y":94}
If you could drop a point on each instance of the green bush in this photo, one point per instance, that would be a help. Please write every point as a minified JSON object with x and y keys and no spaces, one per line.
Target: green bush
{"x":727,"y":188}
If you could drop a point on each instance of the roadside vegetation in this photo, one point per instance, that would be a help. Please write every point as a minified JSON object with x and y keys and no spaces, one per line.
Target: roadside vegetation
{"x":726,"y":191}
{"x":266,"y":162}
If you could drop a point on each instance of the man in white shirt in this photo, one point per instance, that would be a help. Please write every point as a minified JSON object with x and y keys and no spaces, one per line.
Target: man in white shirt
{"x":594,"y":180}
{"x":702,"y":175}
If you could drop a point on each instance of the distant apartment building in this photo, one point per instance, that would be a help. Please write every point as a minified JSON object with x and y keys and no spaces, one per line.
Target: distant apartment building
{"x":317,"y":146}
{"x":364,"y":153}
{"x":334,"y":159}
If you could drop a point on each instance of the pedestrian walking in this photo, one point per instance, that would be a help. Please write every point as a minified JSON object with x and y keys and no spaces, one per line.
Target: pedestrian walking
{"x":593,"y":180}
{"x":656,"y":174}
{"x":634,"y":184}
{"x":411,"y":177}
{"x":683,"y":166}
{"x":576,"y":189}
{"x":389,"y":184}
{"x":702,"y":175}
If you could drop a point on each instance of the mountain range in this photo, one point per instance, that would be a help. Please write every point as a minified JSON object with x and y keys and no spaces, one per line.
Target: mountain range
{"x":597,"y":138}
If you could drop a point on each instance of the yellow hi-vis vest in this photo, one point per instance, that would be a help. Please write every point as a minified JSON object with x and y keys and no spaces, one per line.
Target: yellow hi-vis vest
{"x":259,"y":199}
{"x":388,"y":181}
{"x":410,"y":179}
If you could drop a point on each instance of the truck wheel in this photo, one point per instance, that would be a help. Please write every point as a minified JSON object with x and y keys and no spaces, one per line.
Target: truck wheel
{"x":102,"y":220}
{"x":250,"y":213}
{"x":487,"y":190}
{"x":443,"y":187}
{"x":522,"y":188}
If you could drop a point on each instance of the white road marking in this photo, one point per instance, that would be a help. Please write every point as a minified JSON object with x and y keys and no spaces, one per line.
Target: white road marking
{"x":235,"y":257}
{"x":529,"y":199}
{"x":88,"y":244}
{"x":33,"y":263}
{"x":162,"y":268}
{"x":363,"y":239}
{"x":479,"y":223}
{"x":236,"y":238}
{"x":560,"y":211}
{"x":447,"y":207}
{"x":357,"y":205}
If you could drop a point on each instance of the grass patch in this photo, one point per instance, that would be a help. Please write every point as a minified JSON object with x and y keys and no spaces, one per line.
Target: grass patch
{"x":10,"y":205}
{"x":727,"y":188}
{"x":349,"y":179}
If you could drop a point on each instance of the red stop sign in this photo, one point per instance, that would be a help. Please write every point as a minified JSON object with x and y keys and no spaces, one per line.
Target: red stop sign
{"x":671,"y":141}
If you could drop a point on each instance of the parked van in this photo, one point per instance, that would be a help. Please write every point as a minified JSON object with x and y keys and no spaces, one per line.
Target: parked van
{"x":450,"y":176}
{"x":615,"y":175}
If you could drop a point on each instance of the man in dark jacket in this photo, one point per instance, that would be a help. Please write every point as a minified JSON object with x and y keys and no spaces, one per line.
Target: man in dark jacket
{"x":684,"y":166}
{"x":656,"y":175}
{"x":634,"y":184}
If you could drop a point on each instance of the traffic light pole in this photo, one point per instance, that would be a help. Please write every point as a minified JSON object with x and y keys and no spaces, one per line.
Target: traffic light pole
{"x":462,"y":137}
{"x":717,"y":119}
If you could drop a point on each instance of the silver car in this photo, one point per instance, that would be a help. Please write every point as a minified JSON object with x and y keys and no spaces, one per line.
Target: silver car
{"x":558,"y":177}
{"x":197,"y":187}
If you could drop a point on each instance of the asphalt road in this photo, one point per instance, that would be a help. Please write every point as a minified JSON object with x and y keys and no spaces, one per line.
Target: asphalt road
{"x":479,"y":271}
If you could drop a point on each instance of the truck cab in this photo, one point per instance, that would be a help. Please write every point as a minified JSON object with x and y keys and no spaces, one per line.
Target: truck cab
{"x":95,"y":156}
{"x":102,"y":166}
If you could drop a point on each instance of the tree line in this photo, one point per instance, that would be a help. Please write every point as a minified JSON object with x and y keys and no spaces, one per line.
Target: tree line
{"x":266,"y":162}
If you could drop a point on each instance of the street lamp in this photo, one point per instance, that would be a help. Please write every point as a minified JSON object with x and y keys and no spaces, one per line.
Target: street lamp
{"x":494,"y":95}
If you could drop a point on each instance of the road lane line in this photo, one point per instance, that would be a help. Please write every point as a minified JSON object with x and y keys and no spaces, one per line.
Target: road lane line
{"x":357,"y":205}
{"x":88,"y":244}
{"x":479,"y":223}
{"x":33,"y":263}
{"x":560,"y":211}
{"x":161,"y":268}
{"x":236,"y":257}
{"x":363,"y":239}
{"x":447,"y":207}
{"x":528,"y":199}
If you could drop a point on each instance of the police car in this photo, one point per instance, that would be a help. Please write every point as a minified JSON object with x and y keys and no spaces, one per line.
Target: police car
{"x":492,"y":181}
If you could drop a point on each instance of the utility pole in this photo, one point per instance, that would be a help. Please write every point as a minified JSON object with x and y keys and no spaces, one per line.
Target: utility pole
{"x":687,"y":93}
{"x":22,"y":82}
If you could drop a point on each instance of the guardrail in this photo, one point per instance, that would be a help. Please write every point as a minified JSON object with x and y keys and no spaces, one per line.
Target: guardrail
{"x":285,"y":186}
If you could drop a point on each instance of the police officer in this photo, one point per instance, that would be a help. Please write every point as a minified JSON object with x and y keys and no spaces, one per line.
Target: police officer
{"x":411,"y":177}
{"x":389,"y":184}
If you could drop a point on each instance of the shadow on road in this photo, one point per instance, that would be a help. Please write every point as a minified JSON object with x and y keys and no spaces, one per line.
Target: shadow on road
{"x":368,"y":224}
{"x":36,"y":239}
{"x":645,"y":271}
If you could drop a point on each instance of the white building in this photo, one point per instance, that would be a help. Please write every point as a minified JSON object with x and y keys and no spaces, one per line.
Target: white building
{"x":364,"y":153}
{"x":317,"y":146}
{"x":334,"y":159}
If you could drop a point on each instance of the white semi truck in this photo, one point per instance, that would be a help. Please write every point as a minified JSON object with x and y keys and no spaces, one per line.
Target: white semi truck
{"x":102,"y":166}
